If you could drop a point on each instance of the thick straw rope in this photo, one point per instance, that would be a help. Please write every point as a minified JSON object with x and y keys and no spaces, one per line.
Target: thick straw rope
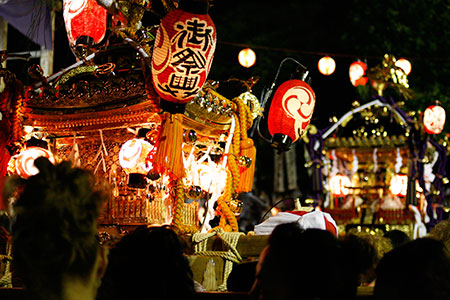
{"x":6,"y":279}
{"x":231,"y":256}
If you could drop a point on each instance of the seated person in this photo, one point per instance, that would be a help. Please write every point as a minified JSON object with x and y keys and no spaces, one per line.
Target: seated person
{"x":147,"y":263}
{"x":54,"y":232}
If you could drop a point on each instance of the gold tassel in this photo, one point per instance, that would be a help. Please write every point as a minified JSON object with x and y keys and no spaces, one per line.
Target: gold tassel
{"x":248,"y":150}
{"x":168,"y":157}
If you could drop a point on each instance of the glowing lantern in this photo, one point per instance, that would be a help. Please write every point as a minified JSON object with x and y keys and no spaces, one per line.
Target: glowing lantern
{"x":247,"y":57}
{"x":85,"y":21}
{"x":399,"y":185}
{"x":434,"y":119}
{"x":25,"y":161}
{"x":183,"y":52}
{"x":404,"y":64}
{"x":135,"y":157}
{"x":339,"y":185}
{"x":357,"y":71}
{"x":290,"y":112}
{"x":326,"y":65}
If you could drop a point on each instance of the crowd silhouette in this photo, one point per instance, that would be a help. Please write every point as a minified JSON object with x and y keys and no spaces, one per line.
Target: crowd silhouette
{"x":57,"y":254}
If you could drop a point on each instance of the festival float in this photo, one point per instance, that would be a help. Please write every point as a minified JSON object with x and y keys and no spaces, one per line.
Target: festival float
{"x":379,"y":168}
{"x":138,"y":110}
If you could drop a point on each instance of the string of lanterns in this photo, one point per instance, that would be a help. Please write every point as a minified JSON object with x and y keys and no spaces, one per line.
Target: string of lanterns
{"x":327,"y":66}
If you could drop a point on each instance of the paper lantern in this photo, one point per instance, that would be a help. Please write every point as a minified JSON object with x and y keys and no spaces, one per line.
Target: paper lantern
{"x":290,"y":112}
{"x":85,"y":21}
{"x":25,"y":161}
{"x":434,"y":119}
{"x":326,"y":65}
{"x":357,"y":71}
{"x":247,"y":57}
{"x":399,"y":185}
{"x":339,"y":185}
{"x":135,"y":157}
{"x":404,"y":64}
{"x":183,"y":52}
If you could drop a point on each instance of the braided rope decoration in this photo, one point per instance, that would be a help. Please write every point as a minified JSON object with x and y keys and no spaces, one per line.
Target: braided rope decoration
{"x":231,"y":256}
{"x":177,"y":221}
{"x":6,"y":279}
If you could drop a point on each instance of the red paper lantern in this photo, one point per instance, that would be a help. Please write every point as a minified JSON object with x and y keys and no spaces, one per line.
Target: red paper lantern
{"x":326,"y":65}
{"x":399,"y":185}
{"x":339,"y":185}
{"x":183,"y":52}
{"x":25,"y":161}
{"x":247,"y":57}
{"x":290,"y":112}
{"x":85,"y":21}
{"x":357,"y":71}
{"x":434,"y":119}
{"x":404,"y":64}
{"x":135,"y":157}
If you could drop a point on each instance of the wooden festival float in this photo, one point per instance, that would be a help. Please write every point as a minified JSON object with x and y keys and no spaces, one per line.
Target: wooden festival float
{"x":137,"y":110}
{"x":376,"y":168}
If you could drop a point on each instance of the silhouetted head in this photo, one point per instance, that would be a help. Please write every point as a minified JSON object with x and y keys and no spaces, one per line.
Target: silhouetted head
{"x":397,"y":237}
{"x":148,"y":263}
{"x":55,"y":228}
{"x":419,"y":269}
{"x":301,"y":264}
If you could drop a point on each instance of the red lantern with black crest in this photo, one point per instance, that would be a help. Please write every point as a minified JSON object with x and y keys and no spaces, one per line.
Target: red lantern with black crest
{"x":85,"y":21}
{"x":290,"y":112}
{"x":183,"y":52}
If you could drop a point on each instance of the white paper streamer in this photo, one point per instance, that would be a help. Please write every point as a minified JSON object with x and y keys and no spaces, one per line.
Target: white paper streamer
{"x":375,"y":160}
{"x":355,"y":163}
{"x":398,"y":161}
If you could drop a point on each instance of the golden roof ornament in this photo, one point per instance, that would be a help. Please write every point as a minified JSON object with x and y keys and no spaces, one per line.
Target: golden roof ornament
{"x":388,"y":75}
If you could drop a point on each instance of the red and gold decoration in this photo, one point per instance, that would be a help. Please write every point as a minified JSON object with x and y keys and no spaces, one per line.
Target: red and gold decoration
{"x":357,"y":72}
{"x":182,"y":56}
{"x":326,"y":65}
{"x":247,"y":57}
{"x":290,"y":112}
{"x":434,"y":119}
{"x":85,"y":21}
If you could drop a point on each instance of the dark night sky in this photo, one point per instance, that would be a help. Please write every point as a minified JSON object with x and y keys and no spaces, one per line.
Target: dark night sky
{"x":303,"y":30}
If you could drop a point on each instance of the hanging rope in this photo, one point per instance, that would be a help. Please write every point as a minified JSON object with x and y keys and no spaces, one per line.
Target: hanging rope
{"x":231,"y":256}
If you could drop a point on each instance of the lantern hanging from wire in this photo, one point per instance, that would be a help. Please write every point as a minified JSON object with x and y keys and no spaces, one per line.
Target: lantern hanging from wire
{"x":434,"y":119}
{"x":135,"y":157}
{"x":183,"y":53}
{"x":399,"y":185}
{"x":24,"y":161}
{"x":85,"y":22}
{"x":326,"y":65}
{"x":339,"y":185}
{"x":357,"y":71}
{"x":404,"y":64}
{"x":247,"y":57}
{"x":290,"y":110}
